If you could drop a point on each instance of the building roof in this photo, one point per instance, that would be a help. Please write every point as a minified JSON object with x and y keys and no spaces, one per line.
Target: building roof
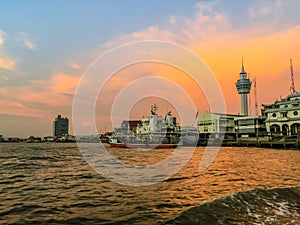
{"x":223,"y":114}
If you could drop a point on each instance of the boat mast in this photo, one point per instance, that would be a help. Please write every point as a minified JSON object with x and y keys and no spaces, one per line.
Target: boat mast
{"x":154,"y":109}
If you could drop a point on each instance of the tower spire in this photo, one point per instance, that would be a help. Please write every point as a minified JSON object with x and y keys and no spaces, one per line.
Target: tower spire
{"x":243,"y":69}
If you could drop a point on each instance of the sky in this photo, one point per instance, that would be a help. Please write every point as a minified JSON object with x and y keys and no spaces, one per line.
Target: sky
{"x":47,"y":46}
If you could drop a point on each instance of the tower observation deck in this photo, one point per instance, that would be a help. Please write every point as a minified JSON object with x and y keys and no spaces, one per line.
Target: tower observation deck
{"x":243,"y":86}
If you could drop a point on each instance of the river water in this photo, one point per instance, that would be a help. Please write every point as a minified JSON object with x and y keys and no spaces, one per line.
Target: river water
{"x":51,"y":183}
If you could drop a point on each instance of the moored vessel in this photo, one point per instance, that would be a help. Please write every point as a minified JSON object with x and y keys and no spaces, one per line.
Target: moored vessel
{"x":153,"y":131}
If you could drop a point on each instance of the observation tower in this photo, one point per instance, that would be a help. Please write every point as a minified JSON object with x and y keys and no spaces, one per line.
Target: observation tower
{"x":243,"y":86}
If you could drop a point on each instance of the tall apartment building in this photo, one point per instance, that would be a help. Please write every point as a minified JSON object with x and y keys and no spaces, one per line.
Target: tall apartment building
{"x":60,"y":126}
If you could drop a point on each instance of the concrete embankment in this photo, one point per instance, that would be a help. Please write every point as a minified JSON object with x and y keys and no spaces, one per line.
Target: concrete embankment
{"x":265,"y":142}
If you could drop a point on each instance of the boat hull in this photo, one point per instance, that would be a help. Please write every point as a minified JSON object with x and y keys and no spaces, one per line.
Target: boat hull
{"x":148,"y":146}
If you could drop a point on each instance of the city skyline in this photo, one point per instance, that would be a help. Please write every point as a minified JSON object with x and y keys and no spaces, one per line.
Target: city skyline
{"x":45,"y":47}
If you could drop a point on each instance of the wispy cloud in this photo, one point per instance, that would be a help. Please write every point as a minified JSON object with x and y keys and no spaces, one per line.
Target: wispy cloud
{"x":7,"y":63}
{"x":40,"y":99}
{"x":2,"y":34}
{"x":25,"y":39}
{"x":75,"y":66}
{"x":3,"y":77}
{"x":266,"y":11}
{"x":204,"y":25}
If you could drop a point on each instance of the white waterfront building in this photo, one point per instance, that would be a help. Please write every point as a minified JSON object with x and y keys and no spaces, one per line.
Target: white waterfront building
{"x":250,"y":126}
{"x":283,"y":116}
{"x":210,"y":122}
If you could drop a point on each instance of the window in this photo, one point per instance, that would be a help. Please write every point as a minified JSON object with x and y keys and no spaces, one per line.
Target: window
{"x":284,"y":114}
{"x":295,"y":113}
{"x":274,"y":114}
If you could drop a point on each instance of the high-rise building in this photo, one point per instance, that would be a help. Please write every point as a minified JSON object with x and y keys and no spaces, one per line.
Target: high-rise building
{"x":60,"y":126}
{"x":243,"y":86}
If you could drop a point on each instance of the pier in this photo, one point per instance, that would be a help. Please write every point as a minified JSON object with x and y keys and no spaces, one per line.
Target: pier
{"x":284,"y":142}
{"x":267,"y":142}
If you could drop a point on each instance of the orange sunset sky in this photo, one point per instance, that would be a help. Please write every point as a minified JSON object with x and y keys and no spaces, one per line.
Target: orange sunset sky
{"x":43,"y":58}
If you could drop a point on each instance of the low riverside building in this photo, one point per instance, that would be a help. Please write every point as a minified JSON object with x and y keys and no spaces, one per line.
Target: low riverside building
{"x":250,"y":126}
{"x":283,"y":116}
{"x":13,"y":139}
{"x":33,"y":139}
{"x":215,"y":123}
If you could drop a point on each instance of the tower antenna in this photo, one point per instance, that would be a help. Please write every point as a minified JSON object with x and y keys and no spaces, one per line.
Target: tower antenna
{"x":293,"y":90}
{"x":255,"y":97}
{"x":250,"y":100}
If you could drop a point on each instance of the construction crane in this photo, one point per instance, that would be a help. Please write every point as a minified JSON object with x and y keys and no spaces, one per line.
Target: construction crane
{"x":250,"y":102}
{"x":255,"y":97}
{"x":293,"y":90}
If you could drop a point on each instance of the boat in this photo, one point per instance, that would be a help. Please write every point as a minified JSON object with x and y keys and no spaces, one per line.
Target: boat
{"x":153,"y":131}
{"x":189,"y":136}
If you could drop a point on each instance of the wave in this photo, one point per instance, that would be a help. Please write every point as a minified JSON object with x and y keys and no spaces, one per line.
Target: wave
{"x":257,"y":206}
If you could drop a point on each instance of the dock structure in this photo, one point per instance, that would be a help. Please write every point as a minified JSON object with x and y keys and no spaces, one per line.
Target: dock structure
{"x":267,"y":142}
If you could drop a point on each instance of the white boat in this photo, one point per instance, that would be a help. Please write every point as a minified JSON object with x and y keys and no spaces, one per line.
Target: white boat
{"x":153,"y":131}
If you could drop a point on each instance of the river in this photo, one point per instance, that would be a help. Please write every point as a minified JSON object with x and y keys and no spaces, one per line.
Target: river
{"x":51,"y":183}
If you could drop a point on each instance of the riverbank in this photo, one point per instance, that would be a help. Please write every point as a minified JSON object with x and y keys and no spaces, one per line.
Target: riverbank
{"x":262,"y":142}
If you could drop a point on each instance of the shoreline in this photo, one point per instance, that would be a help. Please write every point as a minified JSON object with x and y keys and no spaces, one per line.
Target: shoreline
{"x":258,"y":143}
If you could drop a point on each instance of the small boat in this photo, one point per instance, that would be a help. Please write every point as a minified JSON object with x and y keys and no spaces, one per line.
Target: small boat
{"x":154,"y":132}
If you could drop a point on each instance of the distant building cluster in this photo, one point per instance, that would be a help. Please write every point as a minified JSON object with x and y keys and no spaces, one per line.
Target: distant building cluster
{"x":282,"y":118}
{"x":60,"y":133}
{"x":278,"y":120}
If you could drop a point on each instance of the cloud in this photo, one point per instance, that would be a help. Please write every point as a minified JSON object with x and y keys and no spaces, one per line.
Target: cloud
{"x":2,"y":34}
{"x":26,"y":100}
{"x":210,"y":23}
{"x":63,"y":83}
{"x":172,"y":20}
{"x":204,"y":25}
{"x":267,"y":12}
{"x":7,"y":63}
{"x":75,"y":66}
{"x":3,"y":77}
{"x":24,"y":38}
{"x":207,"y":23}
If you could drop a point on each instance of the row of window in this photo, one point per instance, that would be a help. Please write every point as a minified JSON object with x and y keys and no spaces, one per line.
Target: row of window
{"x":284,"y":114}
{"x":293,"y":105}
